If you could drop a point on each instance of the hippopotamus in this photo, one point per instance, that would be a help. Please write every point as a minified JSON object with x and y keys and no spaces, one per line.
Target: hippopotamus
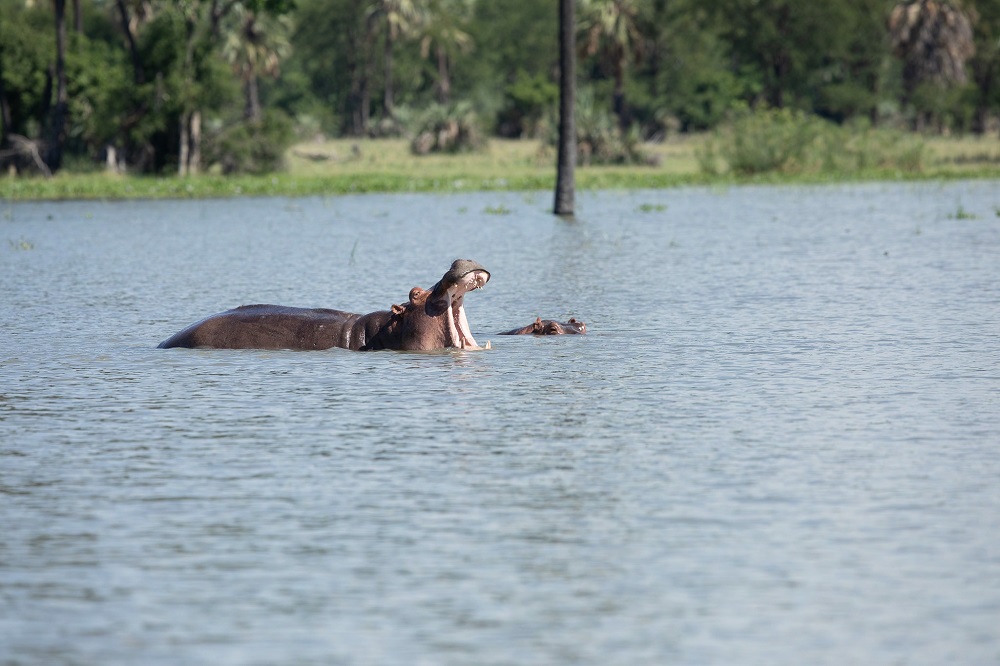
{"x":549,"y":327}
{"x":430,"y":319}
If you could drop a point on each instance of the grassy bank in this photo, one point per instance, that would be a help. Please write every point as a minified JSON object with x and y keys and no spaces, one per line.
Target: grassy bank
{"x":349,"y":166}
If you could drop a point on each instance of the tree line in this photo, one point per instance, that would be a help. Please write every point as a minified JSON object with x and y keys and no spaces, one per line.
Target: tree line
{"x":160,"y":86}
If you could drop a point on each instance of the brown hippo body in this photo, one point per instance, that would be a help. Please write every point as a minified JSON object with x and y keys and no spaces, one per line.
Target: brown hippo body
{"x":281,"y":327}
{"x":432,"y":319}
{"x":549,"y":327}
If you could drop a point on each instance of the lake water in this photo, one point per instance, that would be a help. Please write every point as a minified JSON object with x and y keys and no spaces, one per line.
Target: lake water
{"x":779,"y":443}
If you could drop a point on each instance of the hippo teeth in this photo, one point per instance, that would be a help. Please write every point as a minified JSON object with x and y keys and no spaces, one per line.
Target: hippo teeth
{"x":458,"y":324}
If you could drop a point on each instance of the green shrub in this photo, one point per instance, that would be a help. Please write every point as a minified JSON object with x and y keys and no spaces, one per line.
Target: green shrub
{"x":768,"y":140}
{"x":446,"y":129}
{"x":858,"y":146}
{"x":252,"y":147}
{"x":793,"y":142}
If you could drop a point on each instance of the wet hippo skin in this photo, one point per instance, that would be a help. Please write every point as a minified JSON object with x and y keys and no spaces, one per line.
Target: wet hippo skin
{"x":549,"y":327}
{"x":430,"y":319}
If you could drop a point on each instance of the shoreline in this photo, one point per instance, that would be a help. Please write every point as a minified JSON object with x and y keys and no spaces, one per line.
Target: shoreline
{"x":385,"y":166}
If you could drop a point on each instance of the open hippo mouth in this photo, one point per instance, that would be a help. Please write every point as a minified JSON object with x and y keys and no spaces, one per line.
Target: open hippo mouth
{"x":448,"y":298}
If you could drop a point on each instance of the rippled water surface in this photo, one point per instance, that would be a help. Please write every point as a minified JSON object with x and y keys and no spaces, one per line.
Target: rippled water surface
{"x":779,"y":443}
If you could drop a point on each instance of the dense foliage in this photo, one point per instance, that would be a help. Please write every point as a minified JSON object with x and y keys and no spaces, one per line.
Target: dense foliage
{"x":192,"y":85}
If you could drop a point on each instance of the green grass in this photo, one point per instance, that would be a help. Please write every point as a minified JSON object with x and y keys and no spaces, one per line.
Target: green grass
{"x":345,"y":166}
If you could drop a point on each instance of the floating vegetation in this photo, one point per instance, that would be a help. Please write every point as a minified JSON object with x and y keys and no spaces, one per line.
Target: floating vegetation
{"x":21,"y":244}
{"x":497,"y":210}
{"x":652,"y":208}
{"x":962,"y":214}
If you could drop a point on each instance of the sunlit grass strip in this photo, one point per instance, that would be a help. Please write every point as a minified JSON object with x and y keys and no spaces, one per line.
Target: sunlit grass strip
{"x":87,"y":187}
{"x":387,"y":166}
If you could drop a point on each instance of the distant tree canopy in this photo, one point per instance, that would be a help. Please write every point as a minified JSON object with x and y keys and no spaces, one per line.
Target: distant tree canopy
{"x":184,"y":85}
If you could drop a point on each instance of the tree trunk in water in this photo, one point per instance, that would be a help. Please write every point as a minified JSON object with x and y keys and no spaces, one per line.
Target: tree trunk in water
{"x":566,"y":170}
{"x":57,"y":129}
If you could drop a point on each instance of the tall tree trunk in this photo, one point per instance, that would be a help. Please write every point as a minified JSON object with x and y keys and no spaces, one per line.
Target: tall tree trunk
{"x":77,"y":18}
{"x":983,"y":75}
{"x":137,"y":71}
{"x":215,"y":14}
{"x":874,"y":87}
{"x":566,"y":169}
{"x":184,"y":122}
{"x":618,"y":97}
{"x":388,"y":103}
{"x":355,"y":68}
{"x":189,"y":159}
{"x":361,"y":63}
{"x":57,"y":128}
{"x":366,"y":103}
{"x":6,"y":119}
{"x":194,"y":156}
{"x":183,"y":144}
{"x":444,"y":79}
{"x":252,"y":93}
{"x":366,"y":82}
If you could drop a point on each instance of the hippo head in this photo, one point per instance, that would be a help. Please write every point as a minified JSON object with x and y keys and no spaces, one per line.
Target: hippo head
{"x":549,"y":327}
{"x":436,"y":319}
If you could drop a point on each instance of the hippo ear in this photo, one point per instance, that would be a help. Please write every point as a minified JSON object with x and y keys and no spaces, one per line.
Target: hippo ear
{"x":537,"y":326}
{"x":438,"y":301}
{"x":417,"y":294}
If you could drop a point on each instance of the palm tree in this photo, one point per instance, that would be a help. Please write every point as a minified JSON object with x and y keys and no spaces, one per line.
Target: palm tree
{"x":256,"y":48}
{"x":400,"y":17}
{"x":565,"y":174}
{"x":57,"y":128}
{"x":443,"y":31}
{"x":610,"y":31}
{"x":934,"y":39}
